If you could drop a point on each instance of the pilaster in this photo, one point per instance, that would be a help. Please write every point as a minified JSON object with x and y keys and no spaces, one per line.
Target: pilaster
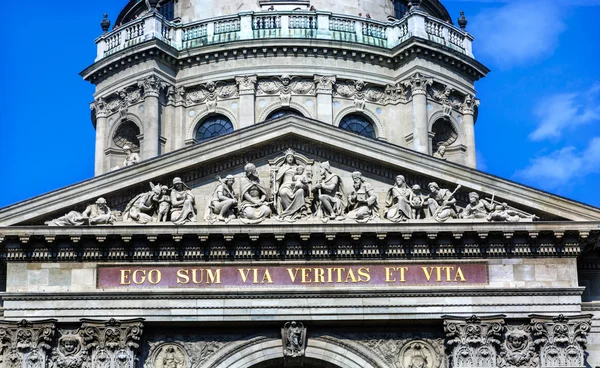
{"x":247,"y":90}
{"x":150,"y":146}
{"x":468,"y":110}
{"x":324,"y":84}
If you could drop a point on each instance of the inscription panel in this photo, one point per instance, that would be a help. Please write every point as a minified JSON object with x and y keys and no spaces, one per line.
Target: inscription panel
{"x":296,"y":276}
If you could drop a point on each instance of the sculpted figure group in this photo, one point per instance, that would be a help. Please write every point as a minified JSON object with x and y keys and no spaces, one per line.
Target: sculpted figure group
{"x":291,"y":195}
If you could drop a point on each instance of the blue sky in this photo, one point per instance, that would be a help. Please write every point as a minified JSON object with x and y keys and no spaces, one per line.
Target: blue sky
{"x":538,"y":121}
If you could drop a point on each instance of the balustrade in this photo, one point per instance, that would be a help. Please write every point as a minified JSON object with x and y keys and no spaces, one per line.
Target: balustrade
{"x":280,"y":24}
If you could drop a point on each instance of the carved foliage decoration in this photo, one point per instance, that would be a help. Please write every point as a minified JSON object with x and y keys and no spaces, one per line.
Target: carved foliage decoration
{"x":209,"y":93}
{"x":152,"y":85}
{"x":324,"y":83}
{"x":113,"y":344}
{"x":294,"y":339}
{"x":25,"y":344}
{"x":561,"y":340}
{"x":418,"y":83}
{"x":71,"y":351}
{"x":518,"y":349}
{"x":473,"y":342}
{"x":447,"y":96}
{"x":285,"y":86}
{"x":408,"y":353}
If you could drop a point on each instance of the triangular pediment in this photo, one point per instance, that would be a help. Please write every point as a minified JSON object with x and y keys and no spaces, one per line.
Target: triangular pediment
{"x":314,"y":142}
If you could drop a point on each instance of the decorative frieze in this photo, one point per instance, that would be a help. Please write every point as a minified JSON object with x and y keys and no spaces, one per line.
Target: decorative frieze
{"x":285,"y":86}
{"x":209,"y":93}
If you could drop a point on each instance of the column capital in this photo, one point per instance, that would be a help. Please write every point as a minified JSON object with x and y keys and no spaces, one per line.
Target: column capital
{"x":27,"y":342}
{"x":418,"y":83}
{"x":99,"y":106}
{"x":473,"y":339}
{"x":246,"y":84}
{"x":152,"y":85}
{"x":469,"y":104}
{"x":113,"y":340}
{"x":175,"y":95}
{"x":325,"y":83}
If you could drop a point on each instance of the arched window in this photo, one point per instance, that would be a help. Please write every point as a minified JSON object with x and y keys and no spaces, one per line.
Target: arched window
{"x":358,"y":124}
{"x":400,"y":8}
{"x":213,"y":126}
{"x":127,"y":134}
{"x":283,"y":112}
{"x":444,"y":133}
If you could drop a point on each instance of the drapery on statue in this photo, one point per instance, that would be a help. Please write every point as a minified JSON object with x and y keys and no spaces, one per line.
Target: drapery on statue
{"x":362,"y":202}
{"x":502,"y":213}
{"x":183,"y":204}
{"x":441,"y":203}
{"x":477,"y":208}
{"x":330,"y":193}
{"x":291,"y":189}
{"x":398,"y":200}
{"x":254,"y":207}
{"x":132,"y":158}
{"x":294,"y":339}
{"x":94,"y":214}
{"x":142,"y":208}
{"x":441,"y":152}
{"x":223,"y":202}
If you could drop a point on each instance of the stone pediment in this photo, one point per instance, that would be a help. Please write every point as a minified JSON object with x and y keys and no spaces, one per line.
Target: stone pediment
{"x":315,"y":145}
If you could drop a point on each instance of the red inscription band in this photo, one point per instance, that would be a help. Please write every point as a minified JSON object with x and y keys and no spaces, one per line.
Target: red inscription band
{"x":205,"y":276}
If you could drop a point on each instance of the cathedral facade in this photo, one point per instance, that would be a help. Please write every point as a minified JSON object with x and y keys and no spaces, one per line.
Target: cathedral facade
{"x":294,"y":184}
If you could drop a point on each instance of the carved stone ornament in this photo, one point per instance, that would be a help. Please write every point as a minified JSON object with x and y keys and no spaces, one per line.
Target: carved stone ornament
{"x":285,"y":86}
{"x":360,"y":92}
{"x":25,"y":343}
{"x":362,"y":201}
{"x":561,"y":340}
{"x":112,"y":344}
{"x":97,"y":213}
{"x":294,"y":339}
{"x":473,"y":342}
{"x":469,"y":105}
{"x":418,"y":83}
{"x":518,"y":349}
{"x":175,"y":95}
{"x":209,"y":93}
{"x":394,"y":93}
{"x":152,"y":86}
{"x":246,"y":84}
{"x":408,"y":353}
{"x":324,"y":83}
{"x":71,"y":351}
{"x":99,"y":105}
{"x":169,"y":355}
{"x":446,"y":96}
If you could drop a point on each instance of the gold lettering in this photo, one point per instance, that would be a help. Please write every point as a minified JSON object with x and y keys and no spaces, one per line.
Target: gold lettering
{"x":306,"y":275}
{"x":195,"y":275}
{"x":364,"y":272}
{"x":339,"y":273}
{"x":428,"y":273}
{"x":293,"y":275}
{"x":125,"y":277}
{"x":267,"y":276}
{"x":350,"y":276}
{"x":154,"y":276}
{"x":402,"y":270}
{"x":319,"y":275}
{"x":182,"y":276}
{"x":448,"y":269}
{"x":244,"y":275}
{"x":459,"y":274}
{"x":329,"y":277}
{"x":255,"y":275}
{"x":438,"y":272}
{"x":213,"y":278}
{"x":135,"y":277}
{"x":388,"y":274}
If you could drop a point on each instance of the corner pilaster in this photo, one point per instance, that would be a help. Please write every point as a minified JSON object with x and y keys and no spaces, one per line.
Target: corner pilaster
{"x":324,"y":84}
{"x":247,"y":91}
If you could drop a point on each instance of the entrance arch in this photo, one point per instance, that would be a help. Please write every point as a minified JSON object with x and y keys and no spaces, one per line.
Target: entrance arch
{"x":320,"y":352}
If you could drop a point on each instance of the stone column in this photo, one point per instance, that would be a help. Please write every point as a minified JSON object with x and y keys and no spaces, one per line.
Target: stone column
{"x":473,"y":342}
{"x":150,"y":145}
{"x":247,"y":87}
{"x":112,"y":341}
{"x":468,"y":112}
{"x":324,"y":84}
{"x":99,"y":106}
{"x":418,"y":86}
{"x":561,"y":340}
{"x":174,"y":111}
{"x":26,"y":343}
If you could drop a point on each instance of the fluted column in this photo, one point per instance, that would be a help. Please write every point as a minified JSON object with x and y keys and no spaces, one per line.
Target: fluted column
{"x":468,"y":112}
{"x":151,"y":117}
{"x":418,"y":86}
{"x":247,"y":88}
{"x":99,"y":106}
{"x":324,"y":85}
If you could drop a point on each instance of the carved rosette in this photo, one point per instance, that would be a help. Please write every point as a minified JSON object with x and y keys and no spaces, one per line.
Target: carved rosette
{"x":112,"y":344}
{"x":152,"y":85}
{"x":473,"y":342}
{"x":561,"y":340}
{"x":25,"y":343}
{"x":324,"y":83}
{"x":246,"y":84}
{"x":418,"y":84}
{"x":294,"y":339}
{"x":518,"y":349}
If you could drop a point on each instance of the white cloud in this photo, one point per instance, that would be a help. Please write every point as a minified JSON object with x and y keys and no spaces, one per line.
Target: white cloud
{"x":566,"y":111}
{"x":518,"y":32}
{"x":561,"y":166}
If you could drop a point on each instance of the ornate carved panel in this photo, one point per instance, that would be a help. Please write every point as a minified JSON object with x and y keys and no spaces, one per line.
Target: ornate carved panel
{"x":561,"y":340}
{"x":473,"y":342}
{"x":25,"y":344}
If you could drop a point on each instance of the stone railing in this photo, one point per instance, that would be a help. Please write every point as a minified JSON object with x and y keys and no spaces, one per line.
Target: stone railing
{"x":285,"y":24}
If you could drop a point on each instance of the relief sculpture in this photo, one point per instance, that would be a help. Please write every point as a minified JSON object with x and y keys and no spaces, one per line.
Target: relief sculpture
{"x":290,"y":186}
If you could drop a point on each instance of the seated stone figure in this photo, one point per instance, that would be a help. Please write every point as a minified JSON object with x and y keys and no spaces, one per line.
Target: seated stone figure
{"x":477,"y":208}
{"x":502,"y":213}
{"x":94,"y":214}
{"x":183,"y":204}
{"x":223,"y":202}
{"x":254,"y":207}
{"x":398,"y":201}
{"x":143,"y":207}
{"x":362,"y":202}
{"x":330,"y":193}
{"x":441,"y":203}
